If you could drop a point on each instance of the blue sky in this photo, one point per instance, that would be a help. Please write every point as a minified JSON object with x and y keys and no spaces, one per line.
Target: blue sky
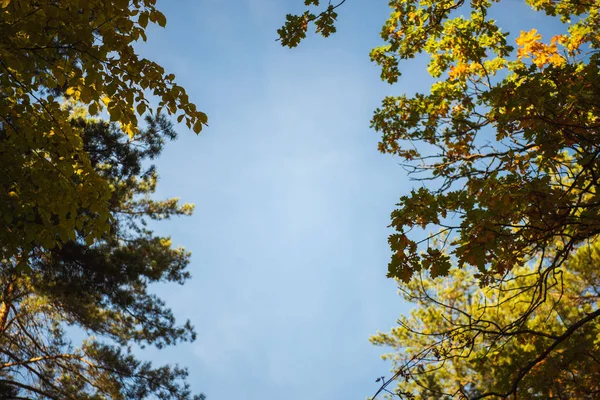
{"x":289,"y":237}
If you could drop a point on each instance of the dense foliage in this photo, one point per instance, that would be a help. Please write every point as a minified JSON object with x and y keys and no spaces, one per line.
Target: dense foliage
{"x":510,"y":137}
{"x":458,"y":341}
{"x":83,"y":51}
{"x":98,"y":290}
{"x":507,"y":139}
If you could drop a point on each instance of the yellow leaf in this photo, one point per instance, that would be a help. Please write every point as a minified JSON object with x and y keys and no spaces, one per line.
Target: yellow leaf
{"x":129,"y":129}
{"x":458,"y":71}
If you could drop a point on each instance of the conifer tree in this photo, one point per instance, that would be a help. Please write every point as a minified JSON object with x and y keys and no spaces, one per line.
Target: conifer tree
{"x":99,"y":289}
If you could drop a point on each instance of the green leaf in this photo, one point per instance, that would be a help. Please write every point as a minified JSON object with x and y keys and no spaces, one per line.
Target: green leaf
{"x":143,"y":19}
{"x":197,"y":127}
{"x":93,"y":109}
{"x":141,"y":108}
{"x":161,"y":19}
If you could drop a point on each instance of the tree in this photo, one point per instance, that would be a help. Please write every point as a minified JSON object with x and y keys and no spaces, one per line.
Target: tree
{"x":511,"y":142}
{"x":51,"y":51}
{"x":455,"y":343}
{"x":508,"y":142}
{"x":99,"y":290}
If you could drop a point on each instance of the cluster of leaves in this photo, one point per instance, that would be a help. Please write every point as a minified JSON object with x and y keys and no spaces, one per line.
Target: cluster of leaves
{"x":508,"y":138}
{"x":466,"y":342}
{"x":81,"y":50}
{"x":100,"y":289}
{"x":514,"y":139}
{"x":296,"y":26}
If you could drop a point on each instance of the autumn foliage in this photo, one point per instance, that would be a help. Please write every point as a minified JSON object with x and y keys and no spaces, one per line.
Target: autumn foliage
{"x":508,"y":131}
{"x":506,"y":146}
{"x":80,"y":51}
{"x":77,"y":133}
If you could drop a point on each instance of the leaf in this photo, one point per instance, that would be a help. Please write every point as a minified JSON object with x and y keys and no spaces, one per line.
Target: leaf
{"x":93,"y":109}
{"x":441,"y":264}
{"x":23,"y":268}
{"x":161,"y":19}
{"x":115,"y":114}
{"x":141,"y":108}
{"x":197,"y":127}
{"x":143,"y":19}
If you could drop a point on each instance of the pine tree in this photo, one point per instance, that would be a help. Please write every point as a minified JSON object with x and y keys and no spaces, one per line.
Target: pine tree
{"x":98,"y":288}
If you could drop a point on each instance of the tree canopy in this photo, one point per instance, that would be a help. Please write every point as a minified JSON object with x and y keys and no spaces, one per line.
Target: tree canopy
{"x":457,"y":341}
{"x":508,"y":137}
{"x":76,"y":256}
{"x":52,"y":51}
{"x":100,"y":290}
{"x":507,"y":140}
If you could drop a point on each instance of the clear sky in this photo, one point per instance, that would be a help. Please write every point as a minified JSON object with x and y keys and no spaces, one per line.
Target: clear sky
{"x":289,"y":237}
